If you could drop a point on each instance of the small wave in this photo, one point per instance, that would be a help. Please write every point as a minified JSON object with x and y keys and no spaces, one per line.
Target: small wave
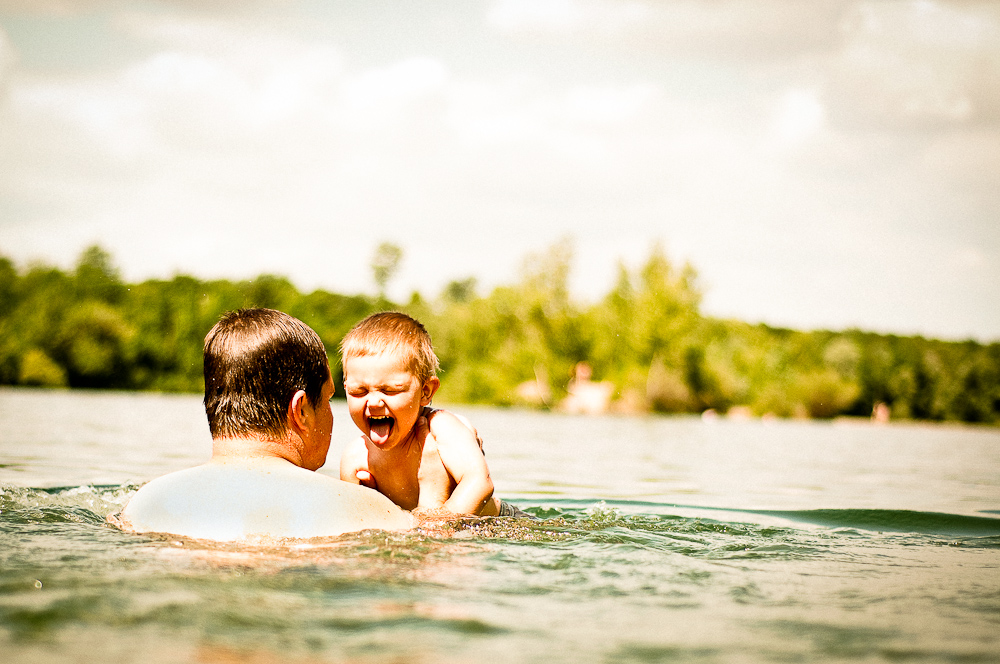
{"x":102,"y":499}
{"x":879,"y":520}
{"x":904,"y":521}
{"x":561,"y":519}
{"x":619,"y":523}
{"x":52,"y":515}
{"x":692,"y":530}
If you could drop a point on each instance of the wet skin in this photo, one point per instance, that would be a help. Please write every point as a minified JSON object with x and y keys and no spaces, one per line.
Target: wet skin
{"x":385,"y":400}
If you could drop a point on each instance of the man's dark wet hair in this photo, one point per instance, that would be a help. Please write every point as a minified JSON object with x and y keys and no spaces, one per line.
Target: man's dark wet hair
{"x":255,"y":361}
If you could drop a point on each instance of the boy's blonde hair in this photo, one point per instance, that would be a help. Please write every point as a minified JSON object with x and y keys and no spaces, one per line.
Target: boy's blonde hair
{"x":393,"y":332}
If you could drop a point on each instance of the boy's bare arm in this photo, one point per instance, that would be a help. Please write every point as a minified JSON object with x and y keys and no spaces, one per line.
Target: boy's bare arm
{"x":462,"y":456}
{"x":428,"y":414}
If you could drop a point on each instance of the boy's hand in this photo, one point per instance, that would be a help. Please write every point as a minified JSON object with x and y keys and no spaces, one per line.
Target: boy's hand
{"x":354,"y":464}
{"x":365,"y":478}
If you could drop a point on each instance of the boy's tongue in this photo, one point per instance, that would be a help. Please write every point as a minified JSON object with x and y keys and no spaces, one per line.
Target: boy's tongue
{"x":380,"y":430}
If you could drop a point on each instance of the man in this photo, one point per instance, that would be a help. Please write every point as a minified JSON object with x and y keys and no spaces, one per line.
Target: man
{"x":267,"y":391}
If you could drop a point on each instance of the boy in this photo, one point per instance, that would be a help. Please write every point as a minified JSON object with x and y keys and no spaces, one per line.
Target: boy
{"x":419,"y":457}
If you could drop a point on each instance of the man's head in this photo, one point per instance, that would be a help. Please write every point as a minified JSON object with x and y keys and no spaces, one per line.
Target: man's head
{"x":389,"y":375}
{"x":256,"y":360}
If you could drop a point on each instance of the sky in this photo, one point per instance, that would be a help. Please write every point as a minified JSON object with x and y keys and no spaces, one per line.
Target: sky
{"x":827,"y":164}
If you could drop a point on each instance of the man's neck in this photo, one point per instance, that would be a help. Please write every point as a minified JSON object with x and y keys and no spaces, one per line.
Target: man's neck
{"x":227,"y":448}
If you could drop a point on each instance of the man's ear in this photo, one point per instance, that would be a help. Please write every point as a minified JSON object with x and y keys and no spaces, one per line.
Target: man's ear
{"x":430,"y":386}
{"x":299,"y":412}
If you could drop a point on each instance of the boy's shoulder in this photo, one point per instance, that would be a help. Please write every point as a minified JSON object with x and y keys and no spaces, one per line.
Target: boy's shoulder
{"x":440,"y":415}
{"x":448,"y":426}
{"x":445,"y":421}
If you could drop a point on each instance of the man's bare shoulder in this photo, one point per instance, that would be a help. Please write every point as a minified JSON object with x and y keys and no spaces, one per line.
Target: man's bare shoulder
{"x":240,"y":500}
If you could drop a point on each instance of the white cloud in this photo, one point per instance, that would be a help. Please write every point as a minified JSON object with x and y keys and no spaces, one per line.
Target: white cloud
{"x":607,"y":105}
{"x":799,"y":116}
{"x":6,"y":57}
{"x":712,"y":30}
{"x":377,"y":97}
{"x":538,"y":15}
{"x":92,"y":110}
{"x":536,"y":123}
{"x":918,"y":64}
{"x":968,"y":160}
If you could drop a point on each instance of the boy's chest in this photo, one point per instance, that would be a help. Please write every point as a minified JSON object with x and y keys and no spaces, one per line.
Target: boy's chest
{"x":411,"y":480}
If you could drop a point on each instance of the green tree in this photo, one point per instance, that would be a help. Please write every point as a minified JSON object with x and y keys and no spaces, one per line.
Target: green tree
{"x":97,"y":277}
{"x":38,"y":369}
{"x":87,"y":328}
{"x":385,"y":264}
{"x":460,"y":292}
{"x":92,"y":345}
{"x":645,"y":329}
{"x":269,"y":291}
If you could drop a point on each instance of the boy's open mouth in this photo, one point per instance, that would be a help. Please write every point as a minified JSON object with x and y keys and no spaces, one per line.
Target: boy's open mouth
{"x":380,"y":428}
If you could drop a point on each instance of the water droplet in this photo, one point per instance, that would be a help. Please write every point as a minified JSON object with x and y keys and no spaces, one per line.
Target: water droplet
{"x":38,"y":584}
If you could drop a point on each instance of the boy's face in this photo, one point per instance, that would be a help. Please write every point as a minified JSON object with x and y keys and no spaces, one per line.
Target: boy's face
{"x":384,"y":398}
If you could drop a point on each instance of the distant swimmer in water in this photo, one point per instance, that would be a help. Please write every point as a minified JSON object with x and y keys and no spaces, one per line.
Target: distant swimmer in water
{"x":423,"y":459}
{"x":267,"y":391}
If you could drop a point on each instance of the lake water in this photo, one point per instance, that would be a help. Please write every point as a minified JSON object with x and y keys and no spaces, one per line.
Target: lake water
{"x":658,"y":540}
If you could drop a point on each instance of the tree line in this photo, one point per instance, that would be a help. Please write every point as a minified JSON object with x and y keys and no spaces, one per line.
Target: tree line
{"x":645,"y":342}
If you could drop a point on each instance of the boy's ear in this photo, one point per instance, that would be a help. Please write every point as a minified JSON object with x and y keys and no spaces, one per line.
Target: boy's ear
{"x":430,"y":386}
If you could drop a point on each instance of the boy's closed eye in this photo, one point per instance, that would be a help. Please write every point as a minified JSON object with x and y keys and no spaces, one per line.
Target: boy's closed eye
{"x":361,"y":391}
